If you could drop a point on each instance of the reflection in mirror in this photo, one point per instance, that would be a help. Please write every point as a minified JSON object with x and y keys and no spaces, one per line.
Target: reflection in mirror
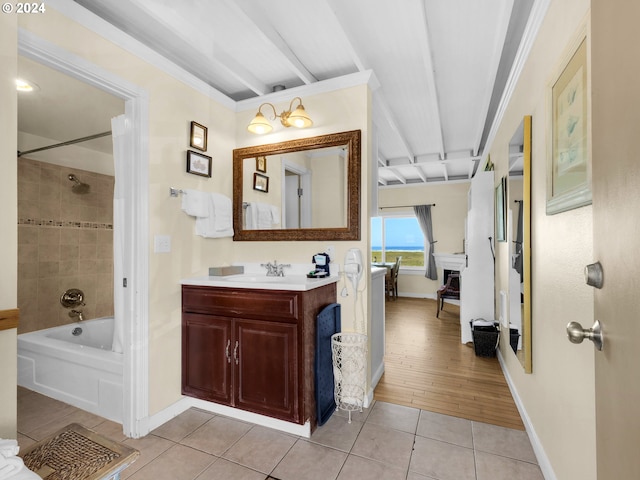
{"x":519,"y":228}
{"x":298,"y":186}
{"x":313,"y":189}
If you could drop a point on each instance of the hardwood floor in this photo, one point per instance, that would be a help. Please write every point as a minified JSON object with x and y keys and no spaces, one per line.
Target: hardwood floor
{"x":427,"y":367}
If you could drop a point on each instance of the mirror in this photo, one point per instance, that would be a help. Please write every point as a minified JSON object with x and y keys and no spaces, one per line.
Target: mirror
{"x":519,"y":235}
{"x":306,"y":189}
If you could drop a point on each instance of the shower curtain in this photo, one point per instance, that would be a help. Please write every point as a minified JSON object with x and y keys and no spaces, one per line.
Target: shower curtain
{"x":121,"y":145}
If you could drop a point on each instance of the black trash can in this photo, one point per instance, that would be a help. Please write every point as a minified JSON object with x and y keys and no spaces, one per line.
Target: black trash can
{"x":486,"y":335}
{"x":514,"y":337}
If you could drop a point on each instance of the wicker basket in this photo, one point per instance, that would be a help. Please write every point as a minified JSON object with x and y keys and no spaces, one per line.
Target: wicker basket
{"x":485,"y":339}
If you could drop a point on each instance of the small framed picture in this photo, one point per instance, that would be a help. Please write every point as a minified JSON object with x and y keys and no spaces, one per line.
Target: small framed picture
{"x":260,"y":182}
{"x":198,"y":137}
{"x":261,"y":164}
{"x":198,"y":164}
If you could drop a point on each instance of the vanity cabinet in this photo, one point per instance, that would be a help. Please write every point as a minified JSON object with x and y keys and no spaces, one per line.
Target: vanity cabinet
{"x":252,"y":349}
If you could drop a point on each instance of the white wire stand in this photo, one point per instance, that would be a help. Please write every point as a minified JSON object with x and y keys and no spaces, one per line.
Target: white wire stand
{"x":349,"y":354}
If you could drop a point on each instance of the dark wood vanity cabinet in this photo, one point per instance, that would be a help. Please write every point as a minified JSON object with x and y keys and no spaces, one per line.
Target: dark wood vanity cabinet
{"x":252,"y":349}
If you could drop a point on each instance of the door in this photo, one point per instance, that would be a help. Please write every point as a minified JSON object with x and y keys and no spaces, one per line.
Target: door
{"x":266,"y":374}
{"x":292,"y":201}
{"x":616,"y":226}
{"x":206,"y":363}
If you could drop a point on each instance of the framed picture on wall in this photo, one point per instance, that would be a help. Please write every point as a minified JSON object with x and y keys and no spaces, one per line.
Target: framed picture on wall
{"x":569,"y":165}
{"x":198,"y":164}
{"x":260,"y":182}
{"x":261,"y":164}
{"x":198,"y":137}
{"x":501,"y":193}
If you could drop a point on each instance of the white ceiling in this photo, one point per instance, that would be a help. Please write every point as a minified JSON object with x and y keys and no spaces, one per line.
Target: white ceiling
{"x":442,"y":64}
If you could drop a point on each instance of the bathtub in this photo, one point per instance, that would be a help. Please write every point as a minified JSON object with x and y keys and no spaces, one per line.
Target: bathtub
{"x":80,"y":370}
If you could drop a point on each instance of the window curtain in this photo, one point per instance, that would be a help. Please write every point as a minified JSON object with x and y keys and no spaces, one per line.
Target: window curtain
{"x":518,"y":261}
{"x":423,"y":214}
{"x":120,"y":147}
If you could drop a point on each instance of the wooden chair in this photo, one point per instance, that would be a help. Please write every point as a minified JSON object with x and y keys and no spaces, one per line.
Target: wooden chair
{"x":451,"y":289}
{"x":391,"y":280}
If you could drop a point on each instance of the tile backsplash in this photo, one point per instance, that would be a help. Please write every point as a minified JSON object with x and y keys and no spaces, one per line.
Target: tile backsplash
{"x":65,"y":240}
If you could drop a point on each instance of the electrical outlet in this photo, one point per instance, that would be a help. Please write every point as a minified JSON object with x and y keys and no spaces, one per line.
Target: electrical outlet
{"x":162,"y":243}
{"x":330,"y":250}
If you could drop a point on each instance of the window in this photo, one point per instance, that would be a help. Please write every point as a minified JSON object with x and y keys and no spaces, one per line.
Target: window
{"x":392,"y":237}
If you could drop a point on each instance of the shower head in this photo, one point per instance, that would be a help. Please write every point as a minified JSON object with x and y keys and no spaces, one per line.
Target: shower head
{"x":78,"y":187}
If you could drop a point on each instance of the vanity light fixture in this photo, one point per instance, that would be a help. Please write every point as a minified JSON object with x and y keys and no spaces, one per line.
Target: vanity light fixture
{"x":297,"y":118}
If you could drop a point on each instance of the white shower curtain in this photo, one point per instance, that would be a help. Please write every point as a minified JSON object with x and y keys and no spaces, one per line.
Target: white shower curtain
{"x":121,"y":145}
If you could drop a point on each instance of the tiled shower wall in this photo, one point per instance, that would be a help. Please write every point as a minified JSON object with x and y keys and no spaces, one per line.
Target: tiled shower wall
{"x":65,"y":240}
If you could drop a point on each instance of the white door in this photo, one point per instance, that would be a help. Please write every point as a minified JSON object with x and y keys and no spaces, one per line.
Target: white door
{"x":616,"y":225}
{"x":292,"y":201}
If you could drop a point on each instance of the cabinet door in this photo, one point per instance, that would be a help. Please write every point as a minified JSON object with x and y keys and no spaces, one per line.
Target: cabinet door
{"x":266,"y":375}
{"x":206,"y":357}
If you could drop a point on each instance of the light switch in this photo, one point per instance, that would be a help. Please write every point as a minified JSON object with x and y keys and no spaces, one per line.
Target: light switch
{"x":162,"y":243}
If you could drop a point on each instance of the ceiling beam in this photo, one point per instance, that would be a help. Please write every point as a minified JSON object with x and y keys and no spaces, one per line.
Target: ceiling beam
{"x":329,"y":6}
{"x":432,"y":94}
{"x":253,"y":12}
{"x":500,"y":25}
{"x":196,"y":42}
{"x":381,"y":111}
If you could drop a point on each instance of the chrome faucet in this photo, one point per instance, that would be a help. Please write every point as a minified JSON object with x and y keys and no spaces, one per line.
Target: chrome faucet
{"x":77,"y":314}
{"x":275,"y":270}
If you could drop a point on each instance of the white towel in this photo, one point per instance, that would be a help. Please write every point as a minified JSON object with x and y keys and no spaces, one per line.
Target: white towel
{"x":275,"y":215}
{"x":217,"y":222}
{"x":9,"y":447}
{"x":265,"y":216}
{"x":195,"y":203}
{"x":251,"y":217}
{"x":10,"y":466}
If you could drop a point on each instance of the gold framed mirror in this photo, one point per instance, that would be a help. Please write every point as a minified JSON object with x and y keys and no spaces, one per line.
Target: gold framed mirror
{"x":519,"y":235}
{"x":327,"y":173}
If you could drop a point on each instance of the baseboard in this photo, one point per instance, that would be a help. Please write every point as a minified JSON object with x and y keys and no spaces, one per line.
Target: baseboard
{"x":541,"y":456}
{"x":186,"y":403}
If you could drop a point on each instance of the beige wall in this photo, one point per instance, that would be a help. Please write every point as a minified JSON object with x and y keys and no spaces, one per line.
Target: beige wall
{"x":448,"y":219}
{"x":65,"y":240}
{"x":8,"y":222}
{"x":559,"y":395}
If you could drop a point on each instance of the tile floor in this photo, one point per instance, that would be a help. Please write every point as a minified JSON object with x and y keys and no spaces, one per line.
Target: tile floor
{"x":385,"y":442}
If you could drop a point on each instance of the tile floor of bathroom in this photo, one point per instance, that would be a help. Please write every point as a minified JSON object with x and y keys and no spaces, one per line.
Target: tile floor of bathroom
{"x":385,"y":442}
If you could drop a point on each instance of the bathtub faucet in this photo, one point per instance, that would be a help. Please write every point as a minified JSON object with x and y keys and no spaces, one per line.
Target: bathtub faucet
{"x":77,"y":314}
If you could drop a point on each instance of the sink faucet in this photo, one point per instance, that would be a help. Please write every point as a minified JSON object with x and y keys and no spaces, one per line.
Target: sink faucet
{"x":77,"y":314}
{"x":275,"y":270}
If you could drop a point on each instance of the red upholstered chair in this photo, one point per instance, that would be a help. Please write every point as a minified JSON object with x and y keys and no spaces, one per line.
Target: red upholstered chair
{"x":451,"y":289}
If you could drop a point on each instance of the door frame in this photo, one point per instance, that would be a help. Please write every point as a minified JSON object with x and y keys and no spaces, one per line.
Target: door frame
{"x":135,"y":259}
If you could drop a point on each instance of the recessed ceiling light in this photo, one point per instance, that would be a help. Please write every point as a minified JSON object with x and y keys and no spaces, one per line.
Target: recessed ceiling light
{"x":23,"y":85}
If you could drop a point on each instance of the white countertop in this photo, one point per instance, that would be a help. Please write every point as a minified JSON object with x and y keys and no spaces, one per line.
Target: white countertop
{"x":262,"y":282}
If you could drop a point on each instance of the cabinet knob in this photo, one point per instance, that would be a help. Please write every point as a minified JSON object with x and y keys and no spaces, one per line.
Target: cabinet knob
{"x":226,"y":351}
{"x":235,"y":352}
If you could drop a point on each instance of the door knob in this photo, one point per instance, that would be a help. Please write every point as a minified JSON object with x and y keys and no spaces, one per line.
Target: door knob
{"x":577,"y":334}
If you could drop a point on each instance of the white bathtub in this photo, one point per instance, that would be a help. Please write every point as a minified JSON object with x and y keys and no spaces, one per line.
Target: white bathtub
{"x":79,"y":370}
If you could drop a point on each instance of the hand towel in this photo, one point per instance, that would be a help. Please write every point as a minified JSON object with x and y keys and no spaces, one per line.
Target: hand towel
{"x":265,"y":216}
{"x":275,"y":215}
{"x":251,"y":217}
{"x":10,"y":466}
{"x":217,"y":222}
{"x":9,"y":447}
{"x":195,"y":203}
